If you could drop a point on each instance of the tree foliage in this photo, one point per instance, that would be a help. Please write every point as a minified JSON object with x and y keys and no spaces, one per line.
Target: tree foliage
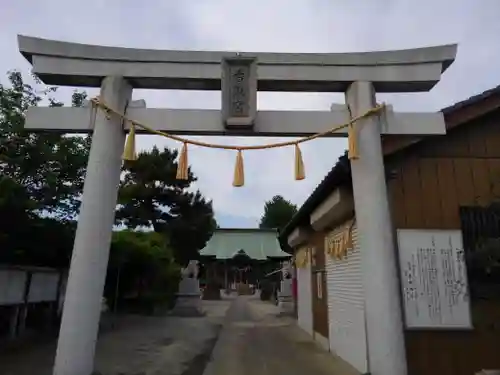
{"x":140,"y":267}
{"x":277,"y":213}
{"x":41,"y":183}
{"x":49,"y":166}
{"x":150,"y":196}
{"x":41,"y":179}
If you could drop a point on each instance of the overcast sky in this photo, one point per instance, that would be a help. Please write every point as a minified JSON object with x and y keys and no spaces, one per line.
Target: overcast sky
{"x":268,"y":26}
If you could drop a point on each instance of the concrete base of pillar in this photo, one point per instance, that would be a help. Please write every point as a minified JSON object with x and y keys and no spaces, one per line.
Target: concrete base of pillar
{"x":188,"y":301}
{"x":286,"y":305}
{"x":188,"y":306}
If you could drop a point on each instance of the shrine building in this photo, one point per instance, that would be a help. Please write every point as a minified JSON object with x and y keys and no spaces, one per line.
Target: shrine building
{"x":240,"y":256}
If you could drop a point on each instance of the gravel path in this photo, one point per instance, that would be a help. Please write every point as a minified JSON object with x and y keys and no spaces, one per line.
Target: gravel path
{"x":137,"y":346}
{"x":255,"y":340}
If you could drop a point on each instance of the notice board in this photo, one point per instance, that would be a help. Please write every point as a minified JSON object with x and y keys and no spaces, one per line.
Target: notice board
{"x":434,"y":285}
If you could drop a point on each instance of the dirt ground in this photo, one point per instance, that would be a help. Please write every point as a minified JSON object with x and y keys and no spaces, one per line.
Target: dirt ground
{"x":257,"y":340}
{"x":137,"y":345}
{"x":254,"y":339}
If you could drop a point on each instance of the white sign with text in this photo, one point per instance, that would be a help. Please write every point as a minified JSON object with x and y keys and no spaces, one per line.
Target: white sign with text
{"x":434,"y":284}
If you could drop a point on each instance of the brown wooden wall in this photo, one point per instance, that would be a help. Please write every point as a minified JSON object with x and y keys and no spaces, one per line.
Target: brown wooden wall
{"x":431,"y":180}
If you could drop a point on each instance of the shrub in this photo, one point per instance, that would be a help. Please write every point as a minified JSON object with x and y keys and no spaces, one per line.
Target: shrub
{"x":142,"y":274}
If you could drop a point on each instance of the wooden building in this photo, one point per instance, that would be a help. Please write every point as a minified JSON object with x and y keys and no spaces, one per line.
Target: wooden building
{"x":444,"y":188}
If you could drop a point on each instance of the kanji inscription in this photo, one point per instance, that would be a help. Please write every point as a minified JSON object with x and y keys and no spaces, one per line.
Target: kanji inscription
{"x":433,"y":279}
{"x":239,"y":92}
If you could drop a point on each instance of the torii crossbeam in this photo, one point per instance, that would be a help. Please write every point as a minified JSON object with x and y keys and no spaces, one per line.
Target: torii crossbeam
{"x":208,"y":121}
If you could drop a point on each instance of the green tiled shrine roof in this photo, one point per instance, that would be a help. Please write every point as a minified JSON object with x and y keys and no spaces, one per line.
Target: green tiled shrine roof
{"x":258,"y":244}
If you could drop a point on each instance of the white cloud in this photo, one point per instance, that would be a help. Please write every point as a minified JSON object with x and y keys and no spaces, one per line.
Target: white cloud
{"x":270,"y":25}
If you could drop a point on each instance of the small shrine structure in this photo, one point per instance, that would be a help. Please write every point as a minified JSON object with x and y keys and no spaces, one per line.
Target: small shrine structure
{"x":235,"y":259}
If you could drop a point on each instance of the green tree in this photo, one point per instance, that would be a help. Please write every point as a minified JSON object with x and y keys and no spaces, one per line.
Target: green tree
{"x":192,"y":225}
{"x":141,"y":269}
{"x":277,"y":213}
{"x":49,"y":166}
{"x":150,"y":196}
{"x":41,"y":180}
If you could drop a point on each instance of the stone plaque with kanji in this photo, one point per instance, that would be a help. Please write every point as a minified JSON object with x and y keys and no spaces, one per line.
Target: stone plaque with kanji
{"x":239,"y":91}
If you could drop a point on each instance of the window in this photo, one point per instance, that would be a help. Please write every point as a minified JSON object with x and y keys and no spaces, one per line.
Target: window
{"x":319,"y":284}
{"x":481,"y":236}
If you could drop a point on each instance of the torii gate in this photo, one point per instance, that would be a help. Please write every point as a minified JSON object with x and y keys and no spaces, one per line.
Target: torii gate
{"x":118,"y":70}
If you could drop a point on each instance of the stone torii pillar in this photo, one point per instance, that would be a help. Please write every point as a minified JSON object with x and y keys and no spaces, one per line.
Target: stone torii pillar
{"x":82,"y":304}
{"x":384,"y":322}
{"x":70,"y":64}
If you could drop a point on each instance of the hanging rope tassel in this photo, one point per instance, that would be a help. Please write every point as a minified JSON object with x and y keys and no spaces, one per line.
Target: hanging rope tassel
{"x":345,"y":244}
{"x":336,"y":249}
{"x":93,"y":114}
{"x":239,"y":173}
{"x":353,"y":143}
{"x":352,"y":138}
{"x":300,"y":173}
{"x":182,"y":166}
{"x":129,"y":152}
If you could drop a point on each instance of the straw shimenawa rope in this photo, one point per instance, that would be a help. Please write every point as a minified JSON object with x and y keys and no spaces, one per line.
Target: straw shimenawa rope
{"x":340,"y":241}
{"x":239,"y":177}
